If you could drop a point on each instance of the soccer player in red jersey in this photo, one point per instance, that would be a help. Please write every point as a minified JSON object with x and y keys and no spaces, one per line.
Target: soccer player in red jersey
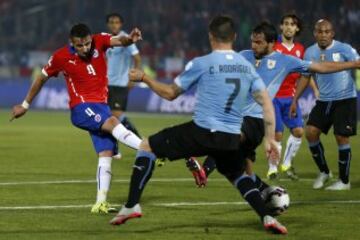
{"x":83,"y":64}
{"x":290,"y":27}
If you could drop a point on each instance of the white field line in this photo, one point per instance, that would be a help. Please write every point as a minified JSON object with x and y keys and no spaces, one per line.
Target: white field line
{"x":174,"y":204}
{"x":79,"y":181}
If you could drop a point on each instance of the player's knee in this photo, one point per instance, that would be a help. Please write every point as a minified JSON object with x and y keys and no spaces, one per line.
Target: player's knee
{"x":106,"y":153}
{"x":342,"y":140}
{"x":297,"y":132}
{"x":312,"y":133}
{"x":109,"y":124}
{"x":278,"y":136}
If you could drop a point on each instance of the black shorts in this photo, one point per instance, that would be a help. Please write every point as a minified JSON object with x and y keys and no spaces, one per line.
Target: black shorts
{"x":253,"y":130}
{"x":341,"y":114}
{"x":189,"y":140}
{"x":117,"y":98}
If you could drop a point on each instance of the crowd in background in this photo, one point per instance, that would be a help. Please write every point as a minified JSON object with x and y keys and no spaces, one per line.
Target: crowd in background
{"x":170,"y":28}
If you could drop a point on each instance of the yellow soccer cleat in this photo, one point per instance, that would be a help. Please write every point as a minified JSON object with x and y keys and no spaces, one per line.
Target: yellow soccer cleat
{"x":102,"y":207}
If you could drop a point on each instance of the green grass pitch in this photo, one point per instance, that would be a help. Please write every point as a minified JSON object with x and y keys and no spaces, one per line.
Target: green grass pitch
{"x":47,"y":164}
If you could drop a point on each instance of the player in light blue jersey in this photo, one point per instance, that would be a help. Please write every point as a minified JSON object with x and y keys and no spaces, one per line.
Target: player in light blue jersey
{"x":119,"y":61}
{"x":335,"y":107}
{"x":224,"y":79}
{"x":273,"y":67}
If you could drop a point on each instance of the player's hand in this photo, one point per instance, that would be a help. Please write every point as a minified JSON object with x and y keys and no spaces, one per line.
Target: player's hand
{"x":293,"y":110}
{"x":136,"y":75}
{"x":271,"y":150}
{"x":316,"y":94}
{"x":18,"y":111}
{"x":135,"y":35}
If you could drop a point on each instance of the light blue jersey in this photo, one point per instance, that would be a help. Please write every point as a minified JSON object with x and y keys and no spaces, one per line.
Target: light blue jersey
{"x":224,"y":81}
{"x":333,"y":86}
{"x":273,"y":69}
{"x":119,"y":61}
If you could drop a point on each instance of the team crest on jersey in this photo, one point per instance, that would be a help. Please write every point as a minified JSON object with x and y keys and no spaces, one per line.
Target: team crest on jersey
{"x":298,"y":53}
{"x":271,"y":63}
{"x":96,"y":53}
{"x":97,"y":118}
{"x":336,"y":57}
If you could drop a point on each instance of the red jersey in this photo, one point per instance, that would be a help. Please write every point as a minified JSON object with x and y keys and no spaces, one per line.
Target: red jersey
{"x":86,"y":80}
{"x":287,"y":88}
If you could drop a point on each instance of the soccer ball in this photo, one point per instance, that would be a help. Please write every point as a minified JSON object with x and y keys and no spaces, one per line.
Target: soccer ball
{"x":277,"y":200}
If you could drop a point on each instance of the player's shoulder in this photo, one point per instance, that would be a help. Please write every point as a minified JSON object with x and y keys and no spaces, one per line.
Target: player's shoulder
{"x":62,"y":53}
{"x":311,"y":49}
{"x":101,"y":35}
{"x":247,"y":54}
{"x":299,"y":46}
{"x":342,"y":45}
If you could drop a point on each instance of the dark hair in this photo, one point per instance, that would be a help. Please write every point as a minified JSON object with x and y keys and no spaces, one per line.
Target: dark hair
{"x":267,"y":29}
{"x":111,"y":15}
{"x":222,"y":28}
{"x":296,"y":20}
{"x":80,"y":30}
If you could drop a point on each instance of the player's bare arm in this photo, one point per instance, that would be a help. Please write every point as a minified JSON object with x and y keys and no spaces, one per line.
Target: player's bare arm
{"x":20,"y":109}
{"x":263,"y":98}
{"x":330,"y":67}
{"x":167,"y":91}
{"x":137,"y":61}
{"x":314,"y":88}
{"x":134,"y":36}
{"x":302,"y":84}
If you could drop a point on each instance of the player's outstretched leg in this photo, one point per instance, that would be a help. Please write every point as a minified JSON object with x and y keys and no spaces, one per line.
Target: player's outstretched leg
{"x":103,"y":178}
{"x":344,"y":169}
{"x":121,"y":133}
{"x":142,"y":171}
{"x":128,"y":124}
{"x":246,"y":185}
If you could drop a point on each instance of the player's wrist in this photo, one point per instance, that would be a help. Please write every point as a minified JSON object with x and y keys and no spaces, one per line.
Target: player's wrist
{"x":142,"y":79}
{"x":25,"y":104}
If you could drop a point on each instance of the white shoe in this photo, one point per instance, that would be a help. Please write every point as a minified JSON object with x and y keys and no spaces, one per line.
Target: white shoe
{"x":272,"y":225}
{"x":338,"y":186}
{"x":321,"y":180}
{"x":117,"y":156}
{"x":126,"y":214}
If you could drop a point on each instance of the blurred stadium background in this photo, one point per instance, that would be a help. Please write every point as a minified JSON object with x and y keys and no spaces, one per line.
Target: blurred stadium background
{"x":174,"y":32}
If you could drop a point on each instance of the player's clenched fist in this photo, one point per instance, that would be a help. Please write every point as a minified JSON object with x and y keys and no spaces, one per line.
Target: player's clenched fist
{"x":136,"y":75}
{"x":135,"y":35}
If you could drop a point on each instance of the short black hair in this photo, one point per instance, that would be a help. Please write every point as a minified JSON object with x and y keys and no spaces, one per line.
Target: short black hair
{"x":222,"y":28}
{"x":80,"y":30}
{"x":296,"y":20}
{"x":267,"y":29}
{"x":111,"y":15}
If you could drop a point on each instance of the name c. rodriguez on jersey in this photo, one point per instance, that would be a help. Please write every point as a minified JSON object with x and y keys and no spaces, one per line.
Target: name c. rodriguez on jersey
{"x":230,"y":68}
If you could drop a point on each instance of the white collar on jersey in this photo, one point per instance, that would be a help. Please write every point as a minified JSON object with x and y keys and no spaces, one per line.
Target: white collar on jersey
{"x":224,"y":51}
{"x":288,"y":47}
{"x":328,"y":47}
